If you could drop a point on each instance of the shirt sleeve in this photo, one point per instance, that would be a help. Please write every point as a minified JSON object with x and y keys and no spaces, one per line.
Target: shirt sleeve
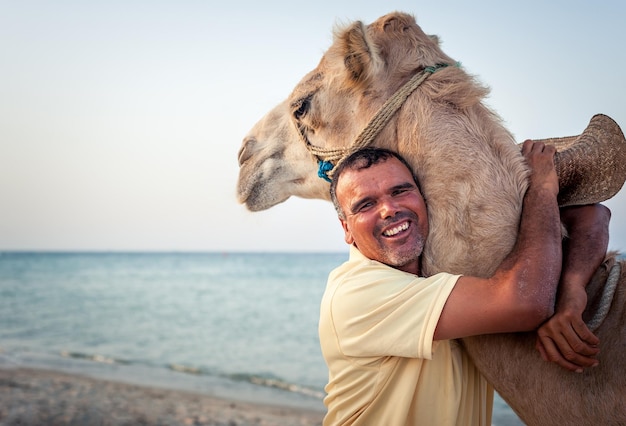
{"x":381,"y":311}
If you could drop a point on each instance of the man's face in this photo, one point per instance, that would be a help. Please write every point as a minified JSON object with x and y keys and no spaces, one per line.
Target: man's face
{"x":385,"y":214}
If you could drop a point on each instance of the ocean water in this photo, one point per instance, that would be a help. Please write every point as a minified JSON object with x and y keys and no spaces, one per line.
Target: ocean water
{"x":235,"y":325}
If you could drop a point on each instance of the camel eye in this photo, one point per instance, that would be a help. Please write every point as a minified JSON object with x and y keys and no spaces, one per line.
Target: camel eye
{"x":301,"y":108}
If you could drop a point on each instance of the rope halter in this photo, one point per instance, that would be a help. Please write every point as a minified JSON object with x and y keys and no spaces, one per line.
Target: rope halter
{"x":326,"y":157}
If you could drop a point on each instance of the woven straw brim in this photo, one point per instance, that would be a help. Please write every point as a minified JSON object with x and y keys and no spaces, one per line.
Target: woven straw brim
{"x":592,"y":166}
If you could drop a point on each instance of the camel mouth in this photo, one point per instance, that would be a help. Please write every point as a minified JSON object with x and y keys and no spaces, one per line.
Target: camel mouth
{"x":256,"y":196}
{"x":254,"y":208}
{"x":252,"y":199}
{"x":256,"y":204}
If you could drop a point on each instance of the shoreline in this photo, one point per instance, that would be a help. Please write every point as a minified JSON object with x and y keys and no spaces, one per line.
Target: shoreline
{"x":34,"y":396}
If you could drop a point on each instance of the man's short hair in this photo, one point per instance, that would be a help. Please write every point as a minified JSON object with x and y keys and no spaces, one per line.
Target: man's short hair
{"x":363,"y":159}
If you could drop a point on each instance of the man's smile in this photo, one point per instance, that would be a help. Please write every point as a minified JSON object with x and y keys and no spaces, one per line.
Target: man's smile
{"x":396,"y":229}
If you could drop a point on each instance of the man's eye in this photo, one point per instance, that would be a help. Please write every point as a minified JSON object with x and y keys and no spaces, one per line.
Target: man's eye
{"x":403,"y":190}
{"x":364,"y":207}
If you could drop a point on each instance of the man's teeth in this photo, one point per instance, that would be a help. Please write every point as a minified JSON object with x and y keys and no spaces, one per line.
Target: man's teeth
{"x":396,"y":230}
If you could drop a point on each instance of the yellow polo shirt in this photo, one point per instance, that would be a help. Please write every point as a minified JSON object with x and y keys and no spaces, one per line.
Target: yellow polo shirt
{"x":376,"y":332}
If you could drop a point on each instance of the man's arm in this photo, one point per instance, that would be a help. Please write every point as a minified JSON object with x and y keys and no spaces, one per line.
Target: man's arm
{"x":521,"y":293}
{"x":564,"y":338}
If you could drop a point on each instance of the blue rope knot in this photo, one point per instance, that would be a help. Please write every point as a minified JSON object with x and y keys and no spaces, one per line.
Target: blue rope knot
{"x":323,"y":168}
{"x":436,"y":67}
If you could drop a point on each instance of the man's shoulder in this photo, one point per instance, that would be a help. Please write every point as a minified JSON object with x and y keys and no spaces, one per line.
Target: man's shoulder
{"x":358,"y":266}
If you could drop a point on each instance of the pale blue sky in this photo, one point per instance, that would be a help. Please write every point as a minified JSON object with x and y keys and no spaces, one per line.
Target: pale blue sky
{"x":120,"y":121}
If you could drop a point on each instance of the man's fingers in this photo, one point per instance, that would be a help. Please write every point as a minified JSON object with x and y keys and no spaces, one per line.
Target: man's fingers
{"x":579,"y":345}
{"x":530,"y":145}
{"x":527,"y":146}
{"x":585,"y":335}
{"x":570,"y":353}
{"x":554,"y":355}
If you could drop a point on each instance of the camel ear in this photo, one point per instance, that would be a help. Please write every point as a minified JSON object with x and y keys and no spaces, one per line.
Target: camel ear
{"x":358,"y":52}
{"x":435,"y":39}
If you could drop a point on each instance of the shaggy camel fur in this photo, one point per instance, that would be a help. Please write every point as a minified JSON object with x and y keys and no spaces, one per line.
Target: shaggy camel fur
{"x":473,"y":178}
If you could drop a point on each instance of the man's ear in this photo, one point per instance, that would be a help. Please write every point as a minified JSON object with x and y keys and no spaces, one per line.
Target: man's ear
{"x":347,"y":234}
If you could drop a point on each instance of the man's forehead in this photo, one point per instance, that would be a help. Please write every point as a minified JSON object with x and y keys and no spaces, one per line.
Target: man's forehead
{"x":388,"y":173}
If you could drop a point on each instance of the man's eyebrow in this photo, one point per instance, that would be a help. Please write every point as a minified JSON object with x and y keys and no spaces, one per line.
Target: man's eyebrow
{"x":405,"y":185}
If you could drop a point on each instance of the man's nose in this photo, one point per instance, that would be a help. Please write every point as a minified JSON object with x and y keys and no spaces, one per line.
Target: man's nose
{"x":388,"y":208}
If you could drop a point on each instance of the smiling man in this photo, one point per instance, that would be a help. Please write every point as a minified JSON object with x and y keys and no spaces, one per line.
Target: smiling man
{"x":387,"y":333}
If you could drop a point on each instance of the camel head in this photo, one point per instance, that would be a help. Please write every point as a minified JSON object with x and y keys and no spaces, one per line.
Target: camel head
{"x":330,"y":107}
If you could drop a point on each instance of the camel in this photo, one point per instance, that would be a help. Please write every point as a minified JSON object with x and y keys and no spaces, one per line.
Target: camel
{"x":473,"y":178}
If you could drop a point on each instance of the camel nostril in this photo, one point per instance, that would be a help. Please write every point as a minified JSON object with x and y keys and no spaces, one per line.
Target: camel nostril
{"x":245,"y":152}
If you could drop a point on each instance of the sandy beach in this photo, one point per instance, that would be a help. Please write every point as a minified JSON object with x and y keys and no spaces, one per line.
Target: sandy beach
{"x":42,"y":397}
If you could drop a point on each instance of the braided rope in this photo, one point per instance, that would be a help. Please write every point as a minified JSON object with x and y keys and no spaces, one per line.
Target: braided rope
{"x":327,"y":154}
{"x":389,"y":108}
{"x":607,"y":297}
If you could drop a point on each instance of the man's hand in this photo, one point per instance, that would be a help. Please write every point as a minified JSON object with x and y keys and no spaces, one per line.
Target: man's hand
{"x":540,"y":158}
{"x":565,"y":339}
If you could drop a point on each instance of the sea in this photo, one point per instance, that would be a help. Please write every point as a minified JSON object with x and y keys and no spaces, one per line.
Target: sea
{"x":241,"y":326}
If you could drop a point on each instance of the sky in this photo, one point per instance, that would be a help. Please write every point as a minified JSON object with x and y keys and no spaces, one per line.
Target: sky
{"x":120,"y":121}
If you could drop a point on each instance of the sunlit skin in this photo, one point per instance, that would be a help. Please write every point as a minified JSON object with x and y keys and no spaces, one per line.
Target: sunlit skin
{"x":385,"y":214}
